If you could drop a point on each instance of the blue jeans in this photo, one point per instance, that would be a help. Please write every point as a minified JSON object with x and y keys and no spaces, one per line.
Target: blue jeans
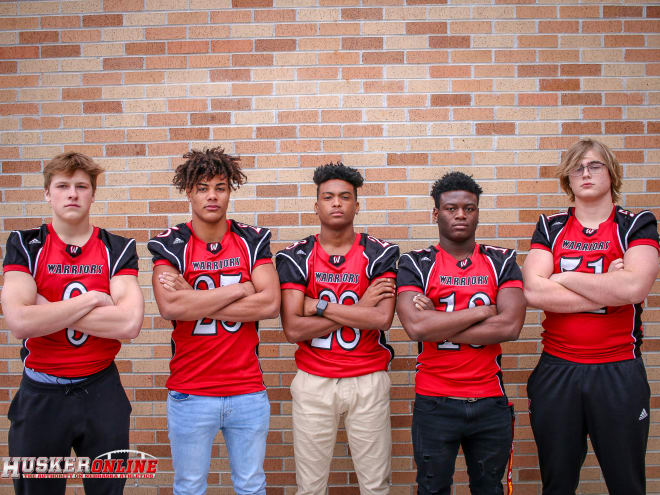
{"x":193,"y":422}
{"x":483,"y":428}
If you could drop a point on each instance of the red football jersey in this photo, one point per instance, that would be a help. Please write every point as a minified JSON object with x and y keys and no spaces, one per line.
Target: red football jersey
{"x":306,"y":267}
{"x":211,"y":357}
{"x":61,"y":272}
{"x":446,"y":369}
{"x":609,"y":334}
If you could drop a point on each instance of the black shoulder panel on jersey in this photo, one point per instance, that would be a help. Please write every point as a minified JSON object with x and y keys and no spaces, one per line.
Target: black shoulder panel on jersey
{"x":504,"y":263}
{"x":415,"y":268}
{"x":382,"y":256}
{"x":24,"y":246}
{"x":257,"y":240}
{"x":291,"y":261}
{"x":548,"y":228}
{"x":635,"y":226}
{"x":122,"y":250}
{"x":171,"y":245}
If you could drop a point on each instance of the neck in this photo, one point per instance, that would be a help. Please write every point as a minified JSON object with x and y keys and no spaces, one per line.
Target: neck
{"x":458,"y":250}
{"x":209,"y":232}
{"x":592,"y":213}
{"x":337,"y":241}
{"x":76,"y":234}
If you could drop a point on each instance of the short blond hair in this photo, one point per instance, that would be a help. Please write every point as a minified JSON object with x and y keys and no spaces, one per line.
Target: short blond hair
{"x":574,"y":155}
{"x":67,"y":164}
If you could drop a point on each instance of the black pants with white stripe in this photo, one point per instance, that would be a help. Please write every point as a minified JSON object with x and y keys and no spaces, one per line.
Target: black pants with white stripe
{"x":47,"y":420}
{"x":609,"y":402}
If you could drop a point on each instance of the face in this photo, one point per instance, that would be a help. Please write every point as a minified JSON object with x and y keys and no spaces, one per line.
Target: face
{"x":336,"y":204}
{"x":590,"y":185}
{"x":70,"y":196}
{"x":457,"y":216}
{"x":209,"y":199}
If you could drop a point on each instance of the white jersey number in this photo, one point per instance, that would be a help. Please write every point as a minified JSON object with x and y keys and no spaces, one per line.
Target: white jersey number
{"x":74,"y":337}
{"x":326,"y":342}
{"x":207,"y":326}
{"x":478,"y":298}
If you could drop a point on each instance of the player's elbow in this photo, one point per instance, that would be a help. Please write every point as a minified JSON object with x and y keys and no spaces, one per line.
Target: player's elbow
{"x":533,"y":297}
{"x":292,"y":336}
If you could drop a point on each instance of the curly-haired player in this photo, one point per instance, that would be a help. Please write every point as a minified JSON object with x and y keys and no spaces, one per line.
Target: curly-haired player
{"x":214,"y":278}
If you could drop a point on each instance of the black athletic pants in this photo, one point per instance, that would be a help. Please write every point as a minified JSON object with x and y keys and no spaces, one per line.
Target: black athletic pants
{"x":609,"y":402}
{"x":91,"y":416}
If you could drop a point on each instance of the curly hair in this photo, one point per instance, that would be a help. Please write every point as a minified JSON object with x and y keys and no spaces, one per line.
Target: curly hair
{"x":206,"y":164}
{"x":339,"y":171}
{"x":454,"y":181}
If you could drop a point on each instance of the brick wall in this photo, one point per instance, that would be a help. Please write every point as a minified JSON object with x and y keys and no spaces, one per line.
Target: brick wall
{"x":403,"y":90}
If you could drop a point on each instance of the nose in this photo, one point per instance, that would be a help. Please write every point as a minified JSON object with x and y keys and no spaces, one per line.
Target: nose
{"x":586,"y":170}
{"x":460,"y":213}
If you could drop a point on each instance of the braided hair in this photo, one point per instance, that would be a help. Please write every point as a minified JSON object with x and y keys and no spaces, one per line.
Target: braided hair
{"x":206,"y":164}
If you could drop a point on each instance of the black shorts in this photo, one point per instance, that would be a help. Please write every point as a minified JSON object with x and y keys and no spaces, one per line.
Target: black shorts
{"x":47,"y":420}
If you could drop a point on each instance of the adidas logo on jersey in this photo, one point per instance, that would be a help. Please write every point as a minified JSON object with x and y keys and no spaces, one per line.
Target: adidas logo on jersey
{"x":300,"y":251}
{"x":643,"y":415}
{"x":178,"y":240}
{"x":426,"y":258}
{"x":35,"y":241}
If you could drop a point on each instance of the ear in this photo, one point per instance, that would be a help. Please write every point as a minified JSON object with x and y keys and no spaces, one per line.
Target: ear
{"x":316,"y":207}
{"x":357,"y":207}
{"x":435,"y":215}
{"x":47,"y":195}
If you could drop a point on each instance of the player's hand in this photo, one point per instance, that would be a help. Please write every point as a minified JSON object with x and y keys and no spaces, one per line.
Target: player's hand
{"x":422,"y":302}
{"x":173,"y":281}
{"x":379,"y":289}
{"x":616,"y":265}
{"x":248,"y":287}
{"x":102,"y":299}
{"x":490,"y":310}
{"x":309,"y":306}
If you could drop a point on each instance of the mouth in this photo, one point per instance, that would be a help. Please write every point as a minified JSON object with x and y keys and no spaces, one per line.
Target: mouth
{"x":460,"y":226}
{"x":337,"y":213}
{"x":212,"y":207}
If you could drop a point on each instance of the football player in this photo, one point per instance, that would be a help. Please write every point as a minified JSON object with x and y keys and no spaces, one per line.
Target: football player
{"x":337,"y":302}
{"x":214,"y":278}
{"x":459,"y":300}
{"x":70,"y":293}
{"x":589,"y":269}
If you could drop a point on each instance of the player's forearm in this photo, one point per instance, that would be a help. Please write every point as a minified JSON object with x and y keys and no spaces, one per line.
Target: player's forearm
{"x":191,"y":305}
{"x":255,"y":307}
{"x":551,"y":296}
{"x":437,"y":326}
{"x":357,"y":316}
{"x":43,"y":319}
{"x":301,"y":328}
{"x":607,"y":289}
{"x":493,"y":330}
{"x":122,"y":321}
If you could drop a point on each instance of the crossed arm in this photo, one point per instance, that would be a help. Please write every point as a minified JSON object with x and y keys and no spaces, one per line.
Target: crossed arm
{"x":628,"y":281}
{"x":375,"y":309}
{"x":255,"y":300}
{"x":481,"y":325}
{"x":115,"y":316}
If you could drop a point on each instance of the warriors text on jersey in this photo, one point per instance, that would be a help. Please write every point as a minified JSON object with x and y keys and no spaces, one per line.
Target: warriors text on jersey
{"x":306,"y":267}
{"x":446,"y":369}
{"x":211,"y":357}
{"x":609,"y":334}
{"x":61,"y":272}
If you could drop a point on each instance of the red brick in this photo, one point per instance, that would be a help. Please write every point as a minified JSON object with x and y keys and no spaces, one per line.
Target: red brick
{"x":426,"y":28}
{"x":231,"y":46}
{"x":19,"y":52}
{"x":19,"y":109}
{"x":250,"y":4}
{"x":537,"y":99}
{"x":559,"y":85}
{"x":56,"y":22}
{"x":451,"y":100}
{"x":641,"y":27}
{"x":81,"y":93}
{"x":562,"y":27}
{"x":622,"y":41}
{"x":601,"y":27}
{"x":618,"y":11}
{"x":450,"y":71}
{"x":633,"y":55}
{"x":189,"y":133}
{"x":407,"y":159}
{"x":581,"y":99}
{"x":538,"y":41}
{"x":28,"y":37}
{"x":102,"y":79}
{"x":316,"y":73}
{"x":57,"y":51}
{"x":123,"y":63}
{"x":627,"y":128}
{"x":298,"y":116}
{"x":29,"y":123}
{"x":145,"y":48}
{"x":388,"y":87}
{"x":541,"y":70}
{"x":21,"y":167}
{"x":601,"y":113}
{"x":8,"y":67}
{"x":275,"y":45}
{"x":495,"y":128}
{"x":167,"y":62}
{"x":642,"y":142}
{"x":341,"y":116}
{"x":581,"y":128}
{"x":382,"y":58}
{"x":580,"y":70}
{"x":449,"y":42}
{"x":653,"y":127}
{"x":252,"y":60}
{"x":276,"y":132}
{"x":275,"y":191}
{"x":351,"y":73}
{"x":231,"y":104}
{"x":169,"y":206}
{"x":103,"y":20}
{"x":624,"y":98}
{"x":210,"y":118}
{"x":362,"y":43}
{"x":104,"y":136}
{"x":102,"y":107}
{"x":515,"y":56}
{"x":278,"y":14}
{"x":126,"y":149}
{"x":178,"y":47}
{"x":362,"y":14}
{"x":187,"y":105}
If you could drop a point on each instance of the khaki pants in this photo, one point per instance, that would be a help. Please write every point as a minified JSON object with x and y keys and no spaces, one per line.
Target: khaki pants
{"x":318,"y":403}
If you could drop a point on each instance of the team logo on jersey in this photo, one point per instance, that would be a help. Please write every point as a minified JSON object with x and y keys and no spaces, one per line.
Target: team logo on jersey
{"x":589,"y":232}
{"x":337,"y":260}
{"x":463,"y":264}
{"x":213,"y":247}
{"x":73,"y":250}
